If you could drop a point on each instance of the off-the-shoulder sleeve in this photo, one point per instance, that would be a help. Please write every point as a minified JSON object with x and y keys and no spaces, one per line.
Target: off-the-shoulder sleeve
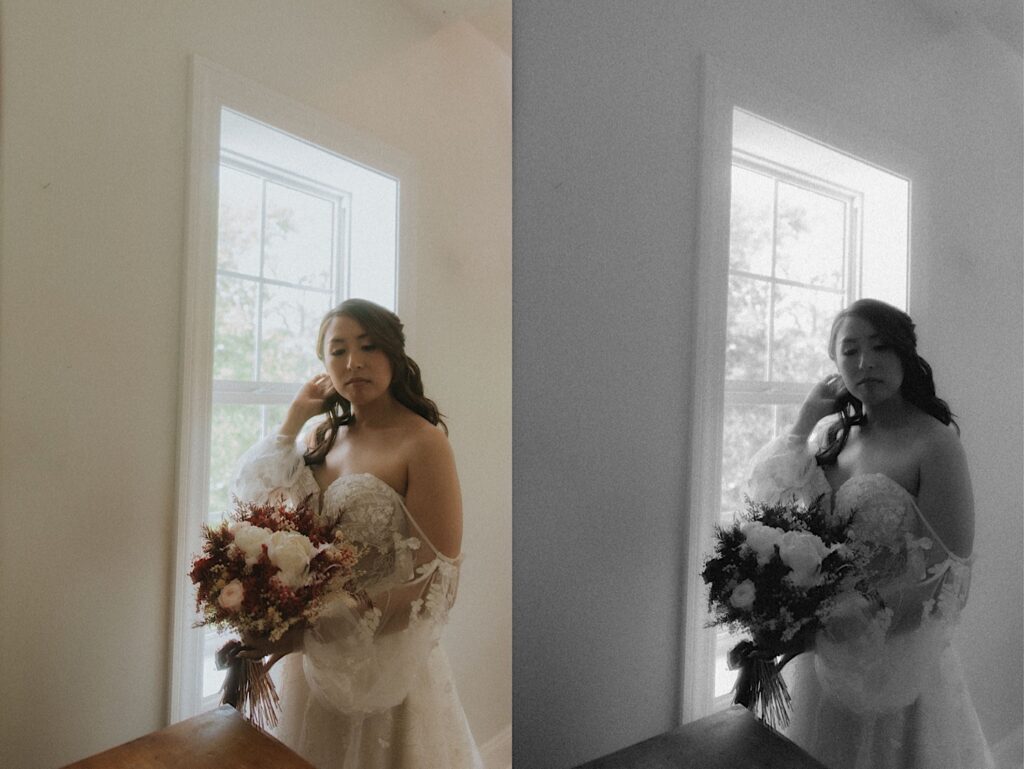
{"x":359,"y":660}
{"x":784,"y":471}
{"x":272,"y":471}
{"x":931,"y":585}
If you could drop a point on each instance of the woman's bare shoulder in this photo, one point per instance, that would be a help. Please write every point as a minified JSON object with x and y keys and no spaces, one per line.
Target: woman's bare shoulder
{"x":424,"y":437}
{"x":945,"y":497}
{"x":937,"y":439}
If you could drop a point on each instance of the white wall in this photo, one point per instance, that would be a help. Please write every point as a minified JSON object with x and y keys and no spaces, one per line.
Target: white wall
{"x":606,"y":159}
{"x":94,"y":135}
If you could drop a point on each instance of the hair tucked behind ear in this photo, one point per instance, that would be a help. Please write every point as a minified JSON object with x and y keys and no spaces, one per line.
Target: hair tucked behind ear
{"x":385,"y":329}
{"x":896,"y":329}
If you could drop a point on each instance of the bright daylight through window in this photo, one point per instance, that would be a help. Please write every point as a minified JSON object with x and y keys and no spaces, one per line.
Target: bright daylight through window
{"x":811,"y":229}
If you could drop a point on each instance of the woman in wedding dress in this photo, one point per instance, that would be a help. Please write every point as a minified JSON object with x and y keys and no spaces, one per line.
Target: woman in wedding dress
{"x":368,"y":686}
{"x":882,"y":686}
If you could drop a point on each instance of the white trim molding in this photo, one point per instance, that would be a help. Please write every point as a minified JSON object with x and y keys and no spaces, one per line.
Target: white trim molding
{"x":497,"y":751}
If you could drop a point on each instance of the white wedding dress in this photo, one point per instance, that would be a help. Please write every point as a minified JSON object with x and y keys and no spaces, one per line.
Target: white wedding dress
{"x":369,"y":690}
{"x":881,"y":689}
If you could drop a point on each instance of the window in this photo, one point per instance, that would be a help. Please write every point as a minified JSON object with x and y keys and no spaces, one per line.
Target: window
{"x":286,"y":230}
{"x":280,"y":254}
{"x":810,"y":229}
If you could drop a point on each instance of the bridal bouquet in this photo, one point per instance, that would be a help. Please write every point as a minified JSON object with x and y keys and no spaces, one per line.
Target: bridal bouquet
{"x":266,"y":570}
{"x":778,"y":574}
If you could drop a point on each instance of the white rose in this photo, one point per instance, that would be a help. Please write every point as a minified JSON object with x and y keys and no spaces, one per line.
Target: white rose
{"x":231,"y":595}
{"x":250,"y":540}
{"x":290,"y":552}
{"x":803,"y":552}
{"x":743,"y":595}
{"x":761,"y":539}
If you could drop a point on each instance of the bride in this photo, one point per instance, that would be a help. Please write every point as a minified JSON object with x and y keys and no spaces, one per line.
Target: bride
{"x":368,"y":686}
{"x":882,"y":687}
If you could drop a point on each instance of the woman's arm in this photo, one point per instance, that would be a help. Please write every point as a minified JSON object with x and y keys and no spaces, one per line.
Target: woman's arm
{"x":819,"y":403}
{"x":433,"y":497}
{"x":307,"y":403}
{"x":945,"y":497}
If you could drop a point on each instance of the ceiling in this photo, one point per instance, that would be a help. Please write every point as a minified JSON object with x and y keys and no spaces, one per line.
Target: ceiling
{"x":1003,"y":19}
{"x":492,"y":18}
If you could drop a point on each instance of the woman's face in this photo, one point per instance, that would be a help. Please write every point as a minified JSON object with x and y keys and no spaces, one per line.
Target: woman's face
{"x":359,"y":370}
{"x":870,"y":368}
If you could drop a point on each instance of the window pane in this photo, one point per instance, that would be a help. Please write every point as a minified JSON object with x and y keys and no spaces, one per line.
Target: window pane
{"x":750,"y":222}
{"x":803,"y":319}
{"x":213,"y":679}
{"x":234,"y":340}
{"x":785,"y":417}
{"x":234,"y":429}
{"x":725,"y":679}
{"x":811,"y":237}
{"x":299,"y":237}
{"x":238,"y":222}
{"x":746,"y":343}
{"x":291,"y":320}
{"x":746,"y":428}
{"x":273,"y":417}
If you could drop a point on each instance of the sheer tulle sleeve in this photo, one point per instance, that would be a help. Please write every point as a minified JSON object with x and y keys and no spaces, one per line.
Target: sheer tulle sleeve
{"x":363,"y":660}
{"x":784,"y":471}
{"x":931,"y":585}
{"x":273,"y":471}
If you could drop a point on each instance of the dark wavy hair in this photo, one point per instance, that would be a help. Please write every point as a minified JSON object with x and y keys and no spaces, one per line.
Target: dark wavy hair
{"x":385,"y":331}
{"x":895,"y":329}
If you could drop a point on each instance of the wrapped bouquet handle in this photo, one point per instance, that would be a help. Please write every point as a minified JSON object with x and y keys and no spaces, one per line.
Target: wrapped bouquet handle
{"x":759,"y":686}
{"x":248,"y":687}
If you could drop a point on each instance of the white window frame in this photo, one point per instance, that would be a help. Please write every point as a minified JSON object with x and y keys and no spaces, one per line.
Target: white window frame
{"x":214,"y":88}
{"x":722,"y":92}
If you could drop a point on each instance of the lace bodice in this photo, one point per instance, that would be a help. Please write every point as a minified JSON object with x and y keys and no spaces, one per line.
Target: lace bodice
{"x":361,"y":660}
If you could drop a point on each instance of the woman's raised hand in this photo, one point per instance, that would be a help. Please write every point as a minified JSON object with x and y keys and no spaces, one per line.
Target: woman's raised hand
{"x":819,"y":403}
{"x":309,"y":401}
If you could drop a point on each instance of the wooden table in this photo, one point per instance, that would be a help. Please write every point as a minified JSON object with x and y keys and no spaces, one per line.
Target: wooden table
{"x":218,"y":739}
{"x":731,"y":739}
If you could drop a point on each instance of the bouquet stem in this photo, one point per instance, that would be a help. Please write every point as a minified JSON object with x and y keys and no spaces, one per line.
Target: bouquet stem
{"x":759,"y":686}
{"x":248,"y":686}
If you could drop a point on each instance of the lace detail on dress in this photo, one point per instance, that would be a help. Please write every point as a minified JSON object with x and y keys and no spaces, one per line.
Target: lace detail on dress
{"x":443,"y":577}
